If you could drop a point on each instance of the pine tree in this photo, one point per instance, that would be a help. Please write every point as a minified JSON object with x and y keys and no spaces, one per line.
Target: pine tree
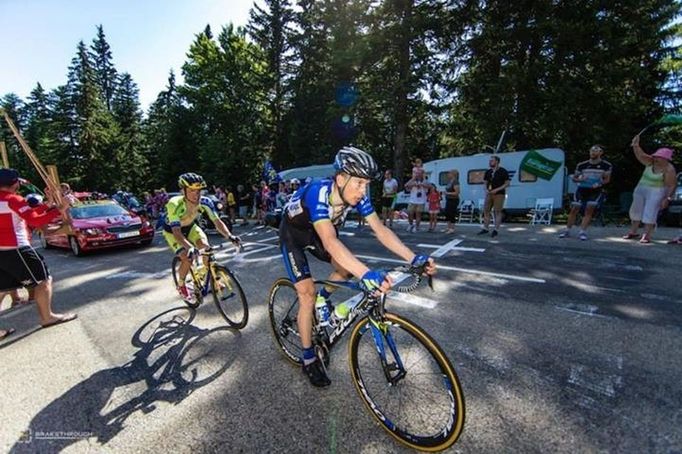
{"x":130,"y":158}
{"x":270,"y":28}
{"x":103,"y":66}
{"x":96,"y":129}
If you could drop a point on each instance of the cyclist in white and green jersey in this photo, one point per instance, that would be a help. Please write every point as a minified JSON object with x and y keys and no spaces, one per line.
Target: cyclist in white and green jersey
{"x":181,"y":231}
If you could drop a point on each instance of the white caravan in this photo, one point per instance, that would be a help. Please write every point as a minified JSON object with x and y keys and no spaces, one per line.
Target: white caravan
{"x":525,"y":187}
{"x":316,"y":171}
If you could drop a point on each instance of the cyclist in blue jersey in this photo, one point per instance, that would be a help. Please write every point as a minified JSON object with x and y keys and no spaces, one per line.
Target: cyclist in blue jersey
{"x":310,"y":223}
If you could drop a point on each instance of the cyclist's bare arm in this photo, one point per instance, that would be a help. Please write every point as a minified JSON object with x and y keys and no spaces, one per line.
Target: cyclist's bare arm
{"x":391,"y":241}
{"x":222,"y":228}
{"x":337,"y":250}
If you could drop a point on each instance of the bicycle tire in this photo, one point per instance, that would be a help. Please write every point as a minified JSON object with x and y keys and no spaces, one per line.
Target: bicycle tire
{"x":283,"y":312}
{"x":235,"y":313}
{"x":189,"y":283}
{"x":431,"y":368}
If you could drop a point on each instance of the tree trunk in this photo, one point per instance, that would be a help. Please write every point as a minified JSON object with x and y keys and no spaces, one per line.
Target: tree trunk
{"x":403,"y":88}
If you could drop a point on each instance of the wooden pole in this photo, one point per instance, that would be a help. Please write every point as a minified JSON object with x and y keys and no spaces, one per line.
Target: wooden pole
{"x":3,"y":152}
{"x":50,"y":178}
{"x":52,"y":185}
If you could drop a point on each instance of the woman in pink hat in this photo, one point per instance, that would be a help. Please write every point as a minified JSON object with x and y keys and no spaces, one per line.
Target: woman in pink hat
{"x":654,"y":190}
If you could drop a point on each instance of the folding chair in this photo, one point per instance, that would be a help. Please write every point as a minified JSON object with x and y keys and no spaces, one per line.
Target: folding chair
{"x":466,"y":212}
{"x":542,"y":213}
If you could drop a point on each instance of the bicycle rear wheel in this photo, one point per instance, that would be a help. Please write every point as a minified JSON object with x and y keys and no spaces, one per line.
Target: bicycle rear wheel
{"x":229,"y":297}
{"x":189,"y":283}
{"x":283,"y":311}
{"x":415,"y":394}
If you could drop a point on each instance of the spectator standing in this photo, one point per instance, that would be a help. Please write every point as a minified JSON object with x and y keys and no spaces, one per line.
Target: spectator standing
{"x":496,"y":182}
{"x":20,"y":264}
{"x":230,"y":204}
{"x":243,"y":198}
{"x":654,"y":190}
{"x":452,"y":200}
{"x":257,"y":203}
{"x":591,"y":176}
{"x":388,"y":195}
{"x":418,"y":188}
{"x":433,"y":199}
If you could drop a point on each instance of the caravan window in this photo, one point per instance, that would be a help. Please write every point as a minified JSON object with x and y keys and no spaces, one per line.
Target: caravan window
{"x":443,"y":178}
{"x":526,"y":177}
{"x":476,"y":176}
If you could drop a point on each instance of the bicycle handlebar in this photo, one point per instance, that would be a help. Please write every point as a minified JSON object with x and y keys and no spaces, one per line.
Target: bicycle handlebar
{"x":418,"y":273}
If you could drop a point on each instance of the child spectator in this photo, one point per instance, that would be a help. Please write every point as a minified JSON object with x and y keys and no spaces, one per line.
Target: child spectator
{"x":433,"y":199}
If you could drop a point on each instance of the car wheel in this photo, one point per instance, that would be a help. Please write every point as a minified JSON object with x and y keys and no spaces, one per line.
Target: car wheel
{"x":75,"y":247}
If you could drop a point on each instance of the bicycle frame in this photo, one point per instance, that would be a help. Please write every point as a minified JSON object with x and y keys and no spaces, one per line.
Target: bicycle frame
{"x":372,"y":306}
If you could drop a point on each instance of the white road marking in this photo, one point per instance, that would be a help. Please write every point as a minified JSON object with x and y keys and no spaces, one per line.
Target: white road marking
{"x":136,"y":274}
{"x":445,"y":248}
{"x":463,"y":270}
{"x":341,"y":232}
{"x":456,"y":248}
{"x":412,"y":299}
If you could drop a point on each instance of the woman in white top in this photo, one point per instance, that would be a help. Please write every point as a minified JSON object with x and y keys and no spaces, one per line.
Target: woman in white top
{"x":654,"y":190}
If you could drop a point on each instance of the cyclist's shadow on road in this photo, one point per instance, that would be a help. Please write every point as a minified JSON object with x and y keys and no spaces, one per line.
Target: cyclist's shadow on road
{"x":174,"y":359}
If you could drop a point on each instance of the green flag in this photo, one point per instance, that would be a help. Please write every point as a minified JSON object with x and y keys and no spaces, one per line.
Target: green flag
{"x":669,"y":120}
{"x":538,"y":165}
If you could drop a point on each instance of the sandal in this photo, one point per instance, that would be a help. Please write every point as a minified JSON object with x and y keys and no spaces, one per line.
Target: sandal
{"x":630,"y":236}
{"x":4,"y":333}
{"x":61,"y":319}
{"x":644,"y":240}
{"x":675,"y":241}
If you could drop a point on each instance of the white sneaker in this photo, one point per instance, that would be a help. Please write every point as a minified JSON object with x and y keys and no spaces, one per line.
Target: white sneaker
{"x":415,"y":229}
{"x":409,"y":228}
{"x":564,"y":234}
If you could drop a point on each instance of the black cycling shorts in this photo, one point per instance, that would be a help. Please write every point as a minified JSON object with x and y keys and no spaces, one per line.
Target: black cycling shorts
{"x":23,"y":267}
{"x":293,"y":243}
{"x":588,"y":196}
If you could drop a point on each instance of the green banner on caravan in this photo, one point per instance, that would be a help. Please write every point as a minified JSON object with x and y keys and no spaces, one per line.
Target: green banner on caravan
{"x":536,"y":164}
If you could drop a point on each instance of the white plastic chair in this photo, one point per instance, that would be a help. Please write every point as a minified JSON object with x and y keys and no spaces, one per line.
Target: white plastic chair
{"x":542,"y":212}
{"x":466,"y":212}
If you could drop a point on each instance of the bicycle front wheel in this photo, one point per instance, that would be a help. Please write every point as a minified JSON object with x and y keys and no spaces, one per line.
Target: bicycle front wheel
{"x":283,"y":311}
{"x":229,"y":297}
{"x":407,"y":383}
{"x":189,"y":283}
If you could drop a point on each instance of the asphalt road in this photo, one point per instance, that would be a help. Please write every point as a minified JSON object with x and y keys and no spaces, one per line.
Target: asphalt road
{"x":560,"y":346}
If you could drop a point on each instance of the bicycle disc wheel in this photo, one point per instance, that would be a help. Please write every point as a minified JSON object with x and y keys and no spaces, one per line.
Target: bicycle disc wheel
{"x":189,"y":283}
{"x":422,"y":405}
{"x":283,"y":311}
{"x":229,"y":297}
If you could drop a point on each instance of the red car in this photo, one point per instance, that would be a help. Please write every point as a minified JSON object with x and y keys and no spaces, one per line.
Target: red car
{"x":101,"y":224}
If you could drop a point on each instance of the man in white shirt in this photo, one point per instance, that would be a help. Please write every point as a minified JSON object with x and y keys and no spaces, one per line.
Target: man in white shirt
{"x":388,"y":197}
{"x":418,"y":189}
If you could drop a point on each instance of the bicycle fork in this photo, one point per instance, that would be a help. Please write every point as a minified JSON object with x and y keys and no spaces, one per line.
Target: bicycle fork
{"x":393,"y":371}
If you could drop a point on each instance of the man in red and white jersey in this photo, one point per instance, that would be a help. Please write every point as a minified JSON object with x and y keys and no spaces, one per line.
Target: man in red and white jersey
{"x":20,"y":264}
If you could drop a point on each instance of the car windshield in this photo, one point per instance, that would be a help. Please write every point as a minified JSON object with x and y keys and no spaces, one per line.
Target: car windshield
{"x":97,"y":211}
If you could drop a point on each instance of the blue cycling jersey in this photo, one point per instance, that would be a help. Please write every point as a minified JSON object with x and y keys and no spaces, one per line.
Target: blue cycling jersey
{"x":312,"y":204}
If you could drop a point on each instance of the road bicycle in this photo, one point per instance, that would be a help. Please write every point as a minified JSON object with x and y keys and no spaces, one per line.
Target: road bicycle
{"x":217,"y":279}
{"x":401,"y":374}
